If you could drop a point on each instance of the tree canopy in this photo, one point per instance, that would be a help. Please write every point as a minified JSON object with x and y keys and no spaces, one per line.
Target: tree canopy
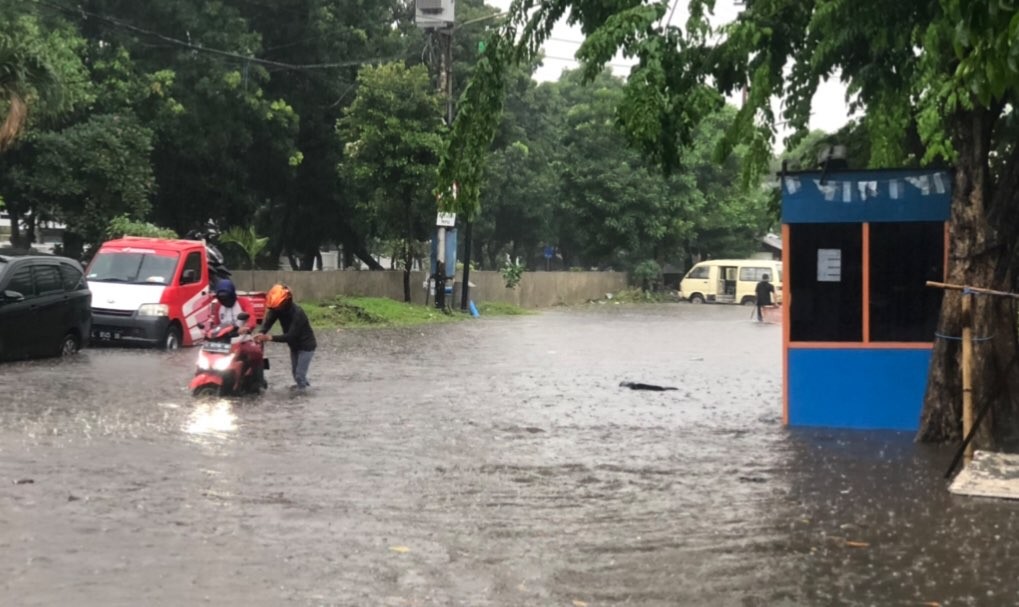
{"x":181,"y":111}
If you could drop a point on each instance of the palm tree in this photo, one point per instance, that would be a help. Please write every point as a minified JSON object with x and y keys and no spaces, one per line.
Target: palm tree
{"x":249,"y":241}
{"x":24,"y":76}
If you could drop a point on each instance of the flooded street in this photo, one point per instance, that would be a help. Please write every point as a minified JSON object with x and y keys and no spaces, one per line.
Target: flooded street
{"x":495,"y":462}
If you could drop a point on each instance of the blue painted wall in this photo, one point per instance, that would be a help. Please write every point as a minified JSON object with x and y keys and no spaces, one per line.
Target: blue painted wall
{"x":857,"y":388}
{"x":866,"y":196}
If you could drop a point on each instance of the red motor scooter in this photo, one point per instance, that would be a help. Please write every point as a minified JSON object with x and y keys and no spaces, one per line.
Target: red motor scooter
{"x":226,"y":367}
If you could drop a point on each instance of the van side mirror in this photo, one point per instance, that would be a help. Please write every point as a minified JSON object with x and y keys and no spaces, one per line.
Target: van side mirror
{"x":188,"y":277}
{"x":243,"y":317}
{"x":12,"y":296}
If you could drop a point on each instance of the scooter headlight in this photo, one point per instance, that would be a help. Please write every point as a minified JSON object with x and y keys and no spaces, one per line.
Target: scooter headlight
{"x":203,"y":361}
{"x":224,"y":363}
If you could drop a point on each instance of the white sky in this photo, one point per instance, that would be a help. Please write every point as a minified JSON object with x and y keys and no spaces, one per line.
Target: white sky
{"x":829,"y":109}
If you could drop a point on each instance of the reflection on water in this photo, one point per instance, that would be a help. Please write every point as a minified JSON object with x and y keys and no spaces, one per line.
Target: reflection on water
{"x":215,"y":418}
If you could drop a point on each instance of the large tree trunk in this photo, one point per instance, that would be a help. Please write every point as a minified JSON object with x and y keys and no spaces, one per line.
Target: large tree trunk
{"x":74,"y":245}
{"x":349,"y":257}
{"x":363,"y":254}
{"x":493,"y":256}
{"x":16,"y":240}
{"x":977,"y":257}
{"x":30,"y":229}
{"x":355,"y":244}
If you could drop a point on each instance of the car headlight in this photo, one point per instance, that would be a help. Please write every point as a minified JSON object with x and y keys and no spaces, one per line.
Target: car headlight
{"x":224,"y":363}
{"x":203,"y":361}
{"x":154,"y":310}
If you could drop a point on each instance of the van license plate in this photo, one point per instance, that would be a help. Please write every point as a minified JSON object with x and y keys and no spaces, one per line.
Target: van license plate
{"x":108,"y":335}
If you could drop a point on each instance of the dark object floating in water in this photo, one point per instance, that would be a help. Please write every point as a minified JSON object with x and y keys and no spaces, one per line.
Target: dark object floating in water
{"x":24,"y":481}
{"x":638,"y":386}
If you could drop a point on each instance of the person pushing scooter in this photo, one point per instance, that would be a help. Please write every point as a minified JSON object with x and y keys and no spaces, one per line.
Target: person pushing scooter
{"x":297,"y":332}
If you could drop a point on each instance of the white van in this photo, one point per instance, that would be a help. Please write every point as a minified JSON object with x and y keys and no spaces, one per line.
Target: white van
{"x":730,"y":280}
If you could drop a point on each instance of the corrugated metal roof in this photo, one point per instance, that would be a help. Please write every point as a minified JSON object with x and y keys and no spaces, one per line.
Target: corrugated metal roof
{"x":772,"y":240}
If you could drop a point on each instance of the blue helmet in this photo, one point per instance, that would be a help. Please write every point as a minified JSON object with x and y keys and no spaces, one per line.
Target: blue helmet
{"x":226,"y":293}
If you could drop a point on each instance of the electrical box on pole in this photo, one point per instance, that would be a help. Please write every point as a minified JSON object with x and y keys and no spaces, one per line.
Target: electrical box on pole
{"x":434,"y":14}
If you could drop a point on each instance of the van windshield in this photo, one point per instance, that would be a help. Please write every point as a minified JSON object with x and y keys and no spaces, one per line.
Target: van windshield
{"x":700,"y":272}
{"x":133,"y":267}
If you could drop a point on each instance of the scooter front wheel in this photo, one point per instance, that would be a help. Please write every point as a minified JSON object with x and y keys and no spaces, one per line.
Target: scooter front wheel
{"x":206,"y":391}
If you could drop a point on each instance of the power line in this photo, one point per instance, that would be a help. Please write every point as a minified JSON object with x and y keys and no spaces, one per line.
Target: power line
{"x":567,"y":40}
{"x":457,"y":26}
{"x":575,"y":60}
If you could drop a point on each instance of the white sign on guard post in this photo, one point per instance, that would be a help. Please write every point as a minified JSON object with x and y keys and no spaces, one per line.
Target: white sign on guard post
{"x":829,"y":265}
{"x":445,"y":220}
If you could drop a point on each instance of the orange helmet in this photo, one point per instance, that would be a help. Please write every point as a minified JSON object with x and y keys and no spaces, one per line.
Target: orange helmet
{"x":277,"y":297}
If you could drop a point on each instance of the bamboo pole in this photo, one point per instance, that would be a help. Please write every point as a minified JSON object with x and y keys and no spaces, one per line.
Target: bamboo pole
{"x":952,"y":287}
{"x":967,"y":370}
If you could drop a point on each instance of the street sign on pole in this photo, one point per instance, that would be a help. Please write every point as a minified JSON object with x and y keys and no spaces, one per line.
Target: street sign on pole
{"x":445,"y":220}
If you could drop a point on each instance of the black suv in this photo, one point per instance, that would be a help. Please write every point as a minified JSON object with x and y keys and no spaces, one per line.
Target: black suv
{"x":45,"y":306}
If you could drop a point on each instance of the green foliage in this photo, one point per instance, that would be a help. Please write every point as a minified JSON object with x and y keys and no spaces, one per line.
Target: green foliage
{"x":371,"y":312}
{"x":512,"y":272}
{"x":379,"y":312}
{"x":646,"y":274}
{"x":464,"y":156}
{"x":639,"y":295}
{"x":855,"y":135}
{"x":123,"y":225}
{"x":247,"y":240}
{"x":498,"y":308}
{"x":89,"y":173}
{"x":561,"y":174}
{"x":392,"y":133}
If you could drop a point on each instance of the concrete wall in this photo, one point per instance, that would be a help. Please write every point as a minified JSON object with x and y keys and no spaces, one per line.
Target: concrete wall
{"x":536,"y":289}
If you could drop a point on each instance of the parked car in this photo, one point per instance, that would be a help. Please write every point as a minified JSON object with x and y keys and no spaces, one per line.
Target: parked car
{"x":44,"y":306}
{"x":730,"y":280}
{"x":151,"y":292}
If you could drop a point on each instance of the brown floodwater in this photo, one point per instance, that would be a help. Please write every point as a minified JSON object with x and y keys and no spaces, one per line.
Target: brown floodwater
{"x":491,"y":462}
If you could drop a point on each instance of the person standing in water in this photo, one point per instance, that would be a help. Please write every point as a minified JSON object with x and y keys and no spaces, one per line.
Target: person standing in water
{"x":297,"y":331}
{"x":765,"y":290}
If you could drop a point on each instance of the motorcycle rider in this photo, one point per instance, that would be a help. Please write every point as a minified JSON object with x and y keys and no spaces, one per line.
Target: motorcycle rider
{"x":297,"y":331}
{"x":228,"y":307}
{"x":225,"y":312}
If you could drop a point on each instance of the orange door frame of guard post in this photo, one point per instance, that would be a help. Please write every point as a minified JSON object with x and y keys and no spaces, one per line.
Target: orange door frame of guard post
{"x":866,"y":282}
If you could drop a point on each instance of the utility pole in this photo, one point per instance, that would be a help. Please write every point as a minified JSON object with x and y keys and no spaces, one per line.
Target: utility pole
{"x":465,"y":283}
{"x":437,"y":18}
{"x":444,"y":36}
